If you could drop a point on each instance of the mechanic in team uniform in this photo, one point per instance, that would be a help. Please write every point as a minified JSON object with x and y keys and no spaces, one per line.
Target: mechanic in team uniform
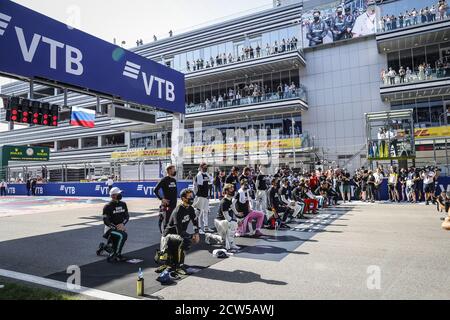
{"x":168,"y":185}
{"x":201,"y":186}
{"x":261,"y":190}
{"x":226,"y":221}
{"x":349,"y":23}
{"x":176,"y":240}
{"x":115,"y":217}
{"x":317,"y":30}
{"x":338,"y":26}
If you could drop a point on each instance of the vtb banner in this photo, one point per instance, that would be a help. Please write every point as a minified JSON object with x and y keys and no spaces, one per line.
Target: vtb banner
{"x":35,"y":46}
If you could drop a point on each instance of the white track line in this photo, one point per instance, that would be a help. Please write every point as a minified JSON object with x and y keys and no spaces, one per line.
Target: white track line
{"x":94,"y":293}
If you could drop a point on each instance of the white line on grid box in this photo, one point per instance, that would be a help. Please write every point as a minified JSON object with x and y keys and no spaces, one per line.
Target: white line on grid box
{"x":3,"y":25}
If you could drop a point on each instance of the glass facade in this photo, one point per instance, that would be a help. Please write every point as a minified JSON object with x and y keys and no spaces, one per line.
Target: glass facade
{"x":255,"y":89}
{"x":269,"y":122}
{"x":417,"y":64}
{"x":240,"y":49}
{"x":428,"y":112}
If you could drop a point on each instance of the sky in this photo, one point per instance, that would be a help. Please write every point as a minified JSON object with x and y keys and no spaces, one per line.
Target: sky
{"x":130,"y":20}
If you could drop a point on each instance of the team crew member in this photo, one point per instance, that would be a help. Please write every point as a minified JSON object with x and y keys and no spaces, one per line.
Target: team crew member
{"x":168,"y":185}
{"x":247,"y":175}
{"x":110,"y":183}
{"x":3,"y":187}
{"x":176,"y":240}
{"x":276,"y":206}
{"x":243,"y":207}
{"x":317,"y":30}
{"x":115,"y":217}
{"x":233,"y":178}
{"x":201,"y":185}
{"x":428,"y":185}
{"x":297,"y":207}
{"x":338,"y":28}
{"x":261,"y":190}
{"x":226,"y":222}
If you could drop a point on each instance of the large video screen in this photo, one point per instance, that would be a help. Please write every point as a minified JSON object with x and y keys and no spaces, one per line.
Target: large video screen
{"x":339,"y":20}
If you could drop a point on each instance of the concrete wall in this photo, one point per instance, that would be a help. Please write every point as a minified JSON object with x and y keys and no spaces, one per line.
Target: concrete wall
{"x":343,"y":84}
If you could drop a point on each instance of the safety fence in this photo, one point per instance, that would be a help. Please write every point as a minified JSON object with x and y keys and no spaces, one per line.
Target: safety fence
{"x":136,"y":189}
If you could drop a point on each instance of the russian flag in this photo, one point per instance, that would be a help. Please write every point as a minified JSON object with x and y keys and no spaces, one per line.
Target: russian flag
{"x":82,"y":117}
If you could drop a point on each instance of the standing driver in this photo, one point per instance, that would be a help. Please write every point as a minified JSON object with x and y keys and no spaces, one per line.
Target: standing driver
{"x":115,"y":217}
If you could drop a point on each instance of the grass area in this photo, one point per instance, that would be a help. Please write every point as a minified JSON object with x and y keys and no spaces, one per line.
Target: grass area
{"x":16,"y":291}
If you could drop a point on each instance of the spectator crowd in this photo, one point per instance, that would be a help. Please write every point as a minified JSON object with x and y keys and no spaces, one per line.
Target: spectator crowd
{"x":247,"y":53}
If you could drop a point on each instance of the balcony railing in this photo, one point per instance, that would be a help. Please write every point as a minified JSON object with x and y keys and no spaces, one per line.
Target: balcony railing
{"x":417,"y":77}
{"x":202,"y":65}
{"x":298,"y":93}
{"x":409,"y":22}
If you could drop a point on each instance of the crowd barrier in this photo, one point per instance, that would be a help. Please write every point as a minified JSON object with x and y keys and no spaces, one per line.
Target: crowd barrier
{"x":134,"y":189}
{"x":130,"y":189}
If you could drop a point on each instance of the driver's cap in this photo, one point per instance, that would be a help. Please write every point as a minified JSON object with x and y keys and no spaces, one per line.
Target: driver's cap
{"x":114,"y":191}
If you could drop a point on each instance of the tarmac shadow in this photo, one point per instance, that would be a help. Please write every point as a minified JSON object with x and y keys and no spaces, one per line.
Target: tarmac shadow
{"x":237,"y":276}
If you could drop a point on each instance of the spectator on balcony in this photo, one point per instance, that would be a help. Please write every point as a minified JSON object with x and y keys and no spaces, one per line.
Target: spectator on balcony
{"x":283,"y":45}
{"x":422,"y":71}
{"x":238,"y":98}
{"x":231,"y":96}
{"x":295,"y":42}
{"x":433,"y":12}
{"x":214,"y":102}
{"x":258,"y":51}
{"x":442,"y":8}
{"x":423,"y":16}
{"x":252,"y":52}
{"x":402,"y":74}
{"x":211,"y":61}
{"x":292,"y":89}
{"x":391,"y":75}
{"x":230,"y":58}
{"x":408,"y":74}
{"x":286,"y":91}
{"x":428,"y":72}
{"x":393,"y":22}
{"x":280,"y":91}
{"x":388,"y":23}
{"x":275,"y":48}
{"x":208,"y":104}
{"x":414,"y":16}
{"x":224,"y":58}
{"x":407,"y":19}
{"x":220,"y":101}
{"x":382,"y":24}
{"x":401,"y":18}
{"x":439,"y":69}
{"x":268,"y":50}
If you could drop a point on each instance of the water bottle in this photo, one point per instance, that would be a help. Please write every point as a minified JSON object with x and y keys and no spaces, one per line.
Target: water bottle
{"x":140,"y":283}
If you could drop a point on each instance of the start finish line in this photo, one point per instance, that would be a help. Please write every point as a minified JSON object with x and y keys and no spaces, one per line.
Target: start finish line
{"x":36,"y":47}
